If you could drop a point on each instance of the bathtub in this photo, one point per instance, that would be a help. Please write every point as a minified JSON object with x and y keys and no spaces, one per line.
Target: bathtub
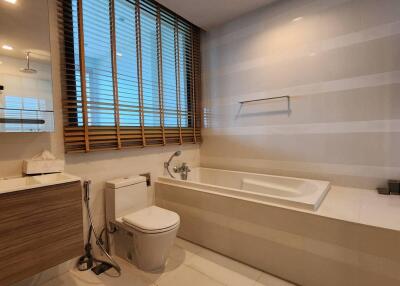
{"x":286,"y":191}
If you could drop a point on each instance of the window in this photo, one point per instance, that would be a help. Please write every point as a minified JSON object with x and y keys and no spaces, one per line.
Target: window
{"x":131,"y":75}
{"x":23,"y":109}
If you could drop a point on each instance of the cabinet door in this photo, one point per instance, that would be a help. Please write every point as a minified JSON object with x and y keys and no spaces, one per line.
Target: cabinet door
{"x":39,"y":228}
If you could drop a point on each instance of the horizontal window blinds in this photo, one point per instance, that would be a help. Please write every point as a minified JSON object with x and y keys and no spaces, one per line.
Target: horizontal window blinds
{"x":131,"y":73}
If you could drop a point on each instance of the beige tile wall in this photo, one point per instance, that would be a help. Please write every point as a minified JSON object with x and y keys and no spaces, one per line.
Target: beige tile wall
{"x":304,"y":248}
{"x":99,"y":166}
{"x":339,"y":63}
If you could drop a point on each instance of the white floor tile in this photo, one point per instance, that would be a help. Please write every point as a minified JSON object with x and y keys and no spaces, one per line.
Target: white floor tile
{"x":129,"y":277}
{"x":269,"y":280}
{"x":183,"y":250}
{"x":223,"y":269}
{"x":77,"y":278}
{"x":185,"y":276}
{"x":188,"y":265}
{"x":180,"y":254}
{"x":188,"y":246}
{"x":131,"y":270}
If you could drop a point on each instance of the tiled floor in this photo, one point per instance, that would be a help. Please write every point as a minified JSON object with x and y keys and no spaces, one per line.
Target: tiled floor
{"x":188,"y":264}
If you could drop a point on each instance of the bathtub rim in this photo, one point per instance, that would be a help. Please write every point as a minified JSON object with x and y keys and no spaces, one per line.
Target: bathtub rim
{"x":263,"y":174}
{"x":273,"y":200}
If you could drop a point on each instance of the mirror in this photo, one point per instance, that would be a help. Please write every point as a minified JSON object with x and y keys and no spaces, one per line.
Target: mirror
{"x":26,"y":97}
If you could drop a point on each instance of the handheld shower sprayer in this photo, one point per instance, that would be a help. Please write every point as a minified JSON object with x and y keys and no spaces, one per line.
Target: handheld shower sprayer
{"x":166,"y":164}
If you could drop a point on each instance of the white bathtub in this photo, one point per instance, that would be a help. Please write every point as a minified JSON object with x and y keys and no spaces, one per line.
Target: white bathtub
{"x":288,"y":191}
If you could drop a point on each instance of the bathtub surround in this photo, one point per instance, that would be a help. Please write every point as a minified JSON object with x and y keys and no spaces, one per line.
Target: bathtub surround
{"x":352,"y":239}
{"x":339,"y":62}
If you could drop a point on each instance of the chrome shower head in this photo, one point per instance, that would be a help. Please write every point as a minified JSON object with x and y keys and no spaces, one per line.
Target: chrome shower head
{"x":28,"y":69}
{"x":176,"y":154}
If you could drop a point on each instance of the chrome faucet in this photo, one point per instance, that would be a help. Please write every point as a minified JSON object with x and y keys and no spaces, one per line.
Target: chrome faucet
{"x":183,"y":170}
{"x":166,"y":164}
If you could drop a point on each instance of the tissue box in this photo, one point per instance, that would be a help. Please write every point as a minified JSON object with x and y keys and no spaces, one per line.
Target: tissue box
{"x":30,"y":167}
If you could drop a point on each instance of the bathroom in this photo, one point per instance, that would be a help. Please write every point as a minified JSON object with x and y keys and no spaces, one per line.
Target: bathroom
{"x":265,"y":132}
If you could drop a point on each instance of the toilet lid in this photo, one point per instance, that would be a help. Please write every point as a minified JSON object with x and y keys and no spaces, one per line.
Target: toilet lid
{"x":152,"y":218}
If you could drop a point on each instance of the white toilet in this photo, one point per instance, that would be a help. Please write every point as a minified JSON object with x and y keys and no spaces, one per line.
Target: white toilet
{"x":143,"y":234}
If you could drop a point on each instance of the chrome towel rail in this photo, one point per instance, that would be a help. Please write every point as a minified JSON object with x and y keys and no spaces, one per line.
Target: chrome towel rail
{"x":268,"y":98}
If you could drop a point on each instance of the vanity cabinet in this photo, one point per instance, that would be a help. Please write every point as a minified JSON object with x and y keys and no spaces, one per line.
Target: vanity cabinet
{"x":39,"y":228}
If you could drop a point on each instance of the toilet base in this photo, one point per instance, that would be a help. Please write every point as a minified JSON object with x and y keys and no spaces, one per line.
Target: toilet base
{"x":147,"y":251}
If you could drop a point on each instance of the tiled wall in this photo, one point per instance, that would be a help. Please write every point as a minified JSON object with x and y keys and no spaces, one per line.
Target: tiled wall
{"x":98,"y":166}
{"x":339,"y":61}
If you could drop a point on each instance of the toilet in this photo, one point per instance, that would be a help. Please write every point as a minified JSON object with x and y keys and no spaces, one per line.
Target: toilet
{"x":139,"y":233}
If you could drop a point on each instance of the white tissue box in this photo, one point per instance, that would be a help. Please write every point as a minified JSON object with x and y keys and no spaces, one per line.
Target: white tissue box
{"x":30,"y":167}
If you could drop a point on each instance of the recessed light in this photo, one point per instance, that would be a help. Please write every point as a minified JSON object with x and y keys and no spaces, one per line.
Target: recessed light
{"x":1,"y":62}
{"x":11,"y":1}
{"x":7,"y":47}
{"x":297,"y":19}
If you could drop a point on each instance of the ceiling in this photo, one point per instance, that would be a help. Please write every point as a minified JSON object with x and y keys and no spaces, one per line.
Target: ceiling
{"x":208,"y":14}
{"x":25,"y":27}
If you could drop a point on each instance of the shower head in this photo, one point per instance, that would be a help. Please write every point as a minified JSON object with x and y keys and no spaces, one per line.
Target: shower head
{"x":176,"y":154}
{"x":28,"y":69}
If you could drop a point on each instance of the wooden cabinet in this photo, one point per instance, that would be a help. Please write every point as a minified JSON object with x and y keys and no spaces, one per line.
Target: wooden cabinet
{"x":39,"y":228}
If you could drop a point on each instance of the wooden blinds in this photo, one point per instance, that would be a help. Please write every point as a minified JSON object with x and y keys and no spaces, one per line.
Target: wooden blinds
{"x":131,"y":75}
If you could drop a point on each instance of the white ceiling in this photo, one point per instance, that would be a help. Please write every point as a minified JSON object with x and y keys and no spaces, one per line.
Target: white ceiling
{"x":25,"y":27}
{"x":210,"y":13}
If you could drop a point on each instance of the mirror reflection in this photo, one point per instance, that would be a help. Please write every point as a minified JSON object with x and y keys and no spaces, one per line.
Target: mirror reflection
{"x":26,"y":103}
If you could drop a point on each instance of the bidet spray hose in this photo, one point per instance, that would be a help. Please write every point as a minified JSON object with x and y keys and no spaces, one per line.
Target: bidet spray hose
{"x":113,"y":263}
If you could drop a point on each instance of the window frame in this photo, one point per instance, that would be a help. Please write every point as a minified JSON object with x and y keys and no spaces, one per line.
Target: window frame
{"x":79,"y":134}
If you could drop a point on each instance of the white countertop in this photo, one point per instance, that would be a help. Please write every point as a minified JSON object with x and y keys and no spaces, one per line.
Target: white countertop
{"x":9,"y":185}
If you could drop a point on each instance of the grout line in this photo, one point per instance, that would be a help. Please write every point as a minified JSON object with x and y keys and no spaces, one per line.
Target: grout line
{"x":259,"y":277}
{"x":202,"y":249}
{"x":208,"y":276}
{"x":210,"y":261}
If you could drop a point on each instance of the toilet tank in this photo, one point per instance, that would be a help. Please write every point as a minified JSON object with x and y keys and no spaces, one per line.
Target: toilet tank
{"x":125,"y":195}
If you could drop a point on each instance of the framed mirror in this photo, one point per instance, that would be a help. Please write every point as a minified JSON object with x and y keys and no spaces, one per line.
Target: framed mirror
{"x":26,"y":97}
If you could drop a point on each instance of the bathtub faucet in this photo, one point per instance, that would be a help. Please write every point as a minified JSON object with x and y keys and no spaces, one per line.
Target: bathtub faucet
{"x":166,"y":164}
{"x":183,"y":170}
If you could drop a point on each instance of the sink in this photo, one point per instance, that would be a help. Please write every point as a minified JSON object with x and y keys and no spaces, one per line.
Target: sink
{"x":24,"y":183}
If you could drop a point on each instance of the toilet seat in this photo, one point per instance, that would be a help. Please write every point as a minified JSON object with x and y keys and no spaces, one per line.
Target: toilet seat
{"x":152,"y":220}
